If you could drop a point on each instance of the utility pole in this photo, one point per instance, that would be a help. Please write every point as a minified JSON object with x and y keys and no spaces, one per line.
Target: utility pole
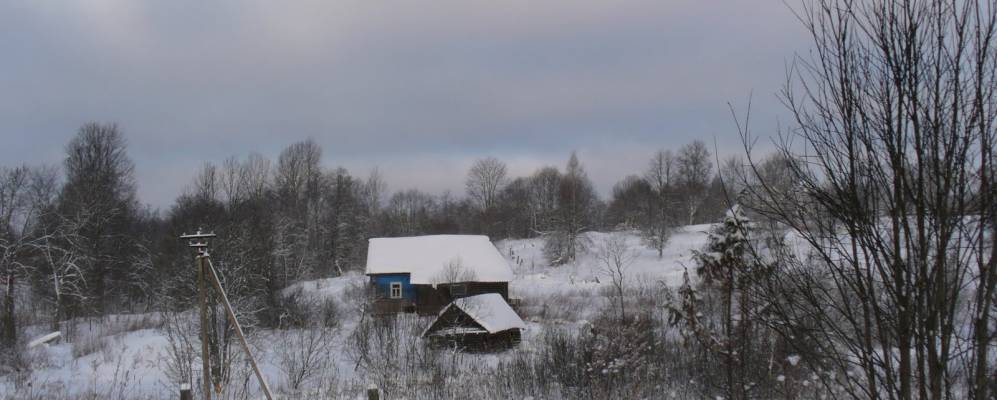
{"x":206,"y":271}
{"x":199,"y":241}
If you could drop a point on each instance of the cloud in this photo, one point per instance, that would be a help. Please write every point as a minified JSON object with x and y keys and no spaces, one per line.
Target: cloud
{"x":419,"y":88}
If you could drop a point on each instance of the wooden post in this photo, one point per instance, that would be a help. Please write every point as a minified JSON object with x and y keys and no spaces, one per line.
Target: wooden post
{"x":203,"y":299}
{"x":199,"y":242}
{"x":186,"y":393}
{"x":373,"y":393}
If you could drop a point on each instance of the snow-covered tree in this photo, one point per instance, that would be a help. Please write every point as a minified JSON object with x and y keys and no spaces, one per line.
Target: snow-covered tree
{"x":26,"y":193}
{"x":574,"y":215}
{"x":718,"y":312}
{"x":725,"y":262}
{"x":99,"y":199}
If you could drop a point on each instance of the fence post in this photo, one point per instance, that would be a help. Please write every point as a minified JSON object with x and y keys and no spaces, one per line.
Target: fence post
{"x":185,"y":393}
{"x":373,"y":393}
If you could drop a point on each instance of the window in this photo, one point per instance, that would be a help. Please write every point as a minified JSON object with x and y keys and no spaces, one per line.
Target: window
{"x":396,"y":290}
{"x":458,"y":290}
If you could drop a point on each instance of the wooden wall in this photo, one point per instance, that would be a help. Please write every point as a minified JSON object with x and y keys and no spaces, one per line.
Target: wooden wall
{"x":455,"y":317}
{"x":483,"y":342}
{"x":431,"y":300}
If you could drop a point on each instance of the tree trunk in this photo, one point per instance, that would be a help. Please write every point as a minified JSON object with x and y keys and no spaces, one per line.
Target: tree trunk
{"x":982,"y":336}
{"x":9,"y":319}
{"x":57,"y":312}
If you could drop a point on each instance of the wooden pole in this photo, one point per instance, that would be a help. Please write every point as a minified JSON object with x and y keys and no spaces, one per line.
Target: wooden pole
{"x":203,"y":299}
{"x":238,"y":328}
{"x":185,"y":392}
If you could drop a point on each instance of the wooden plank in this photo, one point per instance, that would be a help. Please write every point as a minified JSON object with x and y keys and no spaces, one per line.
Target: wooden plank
{"x":44,"y":339}
{"x":238,"y":330}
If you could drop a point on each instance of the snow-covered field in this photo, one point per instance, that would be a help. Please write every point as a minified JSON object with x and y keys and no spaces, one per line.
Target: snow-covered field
{"x":130,"y":354}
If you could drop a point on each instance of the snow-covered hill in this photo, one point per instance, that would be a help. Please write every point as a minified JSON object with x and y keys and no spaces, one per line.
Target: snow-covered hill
{"x":533,"y":275}
{"x":571,"y":292}
{"x":133,"y":361}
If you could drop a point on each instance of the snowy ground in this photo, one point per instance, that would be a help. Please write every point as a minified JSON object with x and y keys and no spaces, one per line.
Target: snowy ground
{"x":129,"y":360}
{"x":570,"y":292}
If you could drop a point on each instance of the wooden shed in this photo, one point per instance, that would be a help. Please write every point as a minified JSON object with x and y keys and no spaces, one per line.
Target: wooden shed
{"x":425,"y":273}
{"x":484,"y":322}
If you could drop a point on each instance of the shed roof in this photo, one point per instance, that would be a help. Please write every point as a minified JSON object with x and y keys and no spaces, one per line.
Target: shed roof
{"x":488,"y":310}
{"x":438,"y":259}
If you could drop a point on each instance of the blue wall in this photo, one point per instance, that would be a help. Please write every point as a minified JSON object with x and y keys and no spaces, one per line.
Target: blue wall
{"x":383,"y":283}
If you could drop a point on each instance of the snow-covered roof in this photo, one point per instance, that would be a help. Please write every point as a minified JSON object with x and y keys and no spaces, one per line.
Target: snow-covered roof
{"x":438,"y":259}
{"x":489,"y":310}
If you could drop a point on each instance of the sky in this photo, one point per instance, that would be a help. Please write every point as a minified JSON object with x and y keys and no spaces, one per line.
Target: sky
{"x":418,"y":89}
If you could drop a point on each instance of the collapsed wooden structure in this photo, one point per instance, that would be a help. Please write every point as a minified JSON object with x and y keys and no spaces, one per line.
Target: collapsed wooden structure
{"x":483,"y":322}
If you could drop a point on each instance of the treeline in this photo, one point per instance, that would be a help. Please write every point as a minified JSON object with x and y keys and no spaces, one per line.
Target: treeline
{"x":77,"y":241}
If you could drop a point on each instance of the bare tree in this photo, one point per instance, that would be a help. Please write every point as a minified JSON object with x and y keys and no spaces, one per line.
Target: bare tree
{"x":44,"y":245}
{"x":616,"y":257}
{"x":62,"y":266}
{"x":455,"y":272}
{"x":27,"y":195}
{"x":695,"y":169}
{"x":299,"y":172}
{"x":230,"y":180}
{"x":574,"y":216}
{"x":255,"y":176}
{"x":662,"y":170}
{"x":299,"y":185}
{"x":99,"y":199}
{"x":207,"y":184}
{"x":660,"y":218}
{"x":485,"y":181}
{"x":515,"y":214}
{"x":305,"y":354}
{"x":631,"y":204}
{"x":732,"y":173}
{"x":894,"y":129}
{"x":373,"y":190}
{"x":347,"y":216}
{"x":182,"y":347}
{"x":545,"y":186}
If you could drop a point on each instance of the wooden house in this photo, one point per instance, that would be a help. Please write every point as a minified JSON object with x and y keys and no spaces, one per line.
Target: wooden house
{"x":483,"y":322}
{"x":425,"y":273}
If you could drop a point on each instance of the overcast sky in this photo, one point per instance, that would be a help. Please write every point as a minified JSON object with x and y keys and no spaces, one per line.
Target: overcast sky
{"x":418,"y":88}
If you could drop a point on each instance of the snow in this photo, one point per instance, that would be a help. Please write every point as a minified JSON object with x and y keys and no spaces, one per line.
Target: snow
{"x":427,"y":259}
{"x":327,"y":288}
{"x":569,"y":294}
{"x":536,"y":279}
{"x":130,"y":362}
{"x":490,"y":311}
